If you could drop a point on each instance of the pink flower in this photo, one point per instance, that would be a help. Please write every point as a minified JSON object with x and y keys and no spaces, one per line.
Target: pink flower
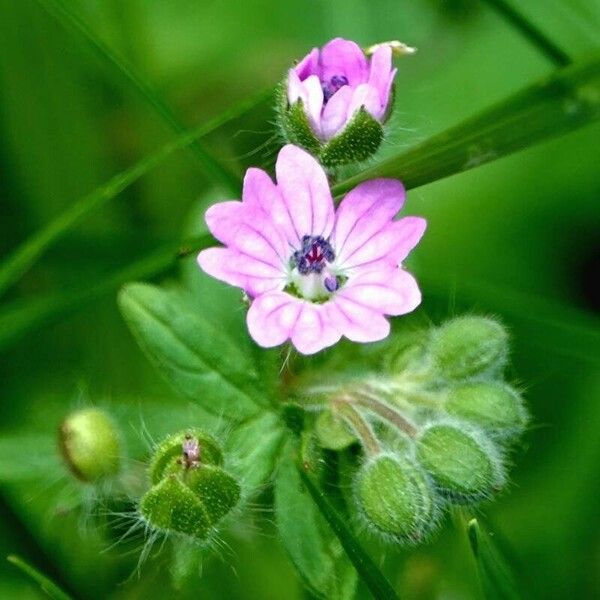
{"x":315,"y":274}
{"x":337,"y":81}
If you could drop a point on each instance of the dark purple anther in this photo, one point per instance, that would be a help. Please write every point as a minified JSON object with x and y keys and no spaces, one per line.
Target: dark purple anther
{"x":314,"y":254}
{"x":331,"y":283}
{"x":332,"y":86}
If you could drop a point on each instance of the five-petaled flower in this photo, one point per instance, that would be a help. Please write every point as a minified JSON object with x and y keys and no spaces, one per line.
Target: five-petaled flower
{"x":335,"y":82}
{"x":315,"y":274}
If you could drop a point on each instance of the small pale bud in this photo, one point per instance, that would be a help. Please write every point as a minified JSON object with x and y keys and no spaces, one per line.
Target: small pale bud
{"x":398,"y":48}
{"x":494,"y":406}
{"x":465,"y":466}
{"x":332,"y":432}
{"x":90,"y":444}
{"x":184,"y":450}
{"x":468,"y":347}
{"x":395,"y":499}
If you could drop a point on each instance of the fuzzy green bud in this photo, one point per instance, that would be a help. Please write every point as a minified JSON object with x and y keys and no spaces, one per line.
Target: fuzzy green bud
{"x":332,"y":432}
{"x":218,"y":490}
{"x":183,"y":449}
{"x":465,"y":466}
{"x":89,"y":442}
{"x":492,"y":405}
{"x":468,"y":347}
{"x":395,"y":499}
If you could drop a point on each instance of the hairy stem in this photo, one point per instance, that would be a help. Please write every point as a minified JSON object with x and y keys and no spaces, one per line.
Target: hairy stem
{"x":359,"y":425}
{"x":389,"y":414}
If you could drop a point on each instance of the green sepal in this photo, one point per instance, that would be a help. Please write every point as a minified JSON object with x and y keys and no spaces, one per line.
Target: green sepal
{"x":466,"y":466}
{"x":395,"y":499}
{"x":294,"y":123}
{"x":332,"y":432}
{"x":171,"y":506}
{"x":218,"y":491}
{"x":166,"y":459}
{"x":359,"y":140}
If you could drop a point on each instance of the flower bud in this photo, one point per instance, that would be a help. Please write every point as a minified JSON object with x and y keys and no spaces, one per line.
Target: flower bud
{"x":395,"y":499}
{"x":332,"y":432}
{"x":218,"y":491}
{"x":90,"y":444}
{"x":465,"y":466}
{"x":494,"y":406}
{"x":334,"y":102}
{"x":183,"y":450}
{"x":468,"y":347}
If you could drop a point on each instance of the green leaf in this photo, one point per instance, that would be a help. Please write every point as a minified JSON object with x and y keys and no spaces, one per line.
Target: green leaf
{"x":28,"y":457}
{"x":47,"y":585}
{"x":315,"y":551}
{"x":21,"y":317}
{"x":63,"y":13}
{"x":35,"y":246}
{"x":495,"y":575}
{"x":567,"y":100}
{"x":196,"y":358}
{"x":373,"y":578}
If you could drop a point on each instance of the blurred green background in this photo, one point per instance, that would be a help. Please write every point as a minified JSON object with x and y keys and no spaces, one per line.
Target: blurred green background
{"x":517,"y":238}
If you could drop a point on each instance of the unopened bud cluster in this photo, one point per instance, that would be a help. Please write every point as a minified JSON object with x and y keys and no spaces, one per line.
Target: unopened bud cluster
{"x":435,"y":426}
{"x":190,"y":490}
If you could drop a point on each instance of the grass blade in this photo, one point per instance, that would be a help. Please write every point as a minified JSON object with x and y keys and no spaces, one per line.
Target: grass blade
{"x":373,"y":578}
{"x":567,"y":100}
{"x":47,"y":585}
{"x":497,"y":579}
{"x":28,"y":253}
{"x":22,"y":316}
{"x":529,"y":30}
{"x":71,"y":21}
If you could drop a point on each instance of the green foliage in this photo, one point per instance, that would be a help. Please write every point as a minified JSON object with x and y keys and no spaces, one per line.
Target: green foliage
{"x":50,"y":589}
{"x":195,"y":358}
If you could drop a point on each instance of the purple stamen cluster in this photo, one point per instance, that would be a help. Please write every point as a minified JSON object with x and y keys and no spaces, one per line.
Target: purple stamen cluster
{"x":313,"y":256}
{"x":333,"y":85}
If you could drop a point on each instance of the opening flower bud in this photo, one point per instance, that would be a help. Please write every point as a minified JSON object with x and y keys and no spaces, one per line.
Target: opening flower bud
{"x":332,"y":432}
{"x":468,"y":347}
{"x":90,"y":445}
{"x":218,"y":490}
{"x":395,"y":499}
{"x":494,"y":406}
{"x":182,"y":451}
{"x":466,"y":467}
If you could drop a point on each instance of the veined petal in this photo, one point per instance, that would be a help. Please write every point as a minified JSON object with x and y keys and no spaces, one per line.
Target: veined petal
{"x":335,"y":113}
{"x":309,"y":65}
{"x":381,"y":73}
{"x":368,"y":96}
{"x":314,"y":101}
{"x":305,"y":191}
{"x":313,"y":330}
{"x":386,"y":291}
{"x":367,"y":209}
{"x":272,"y":317}
{"x":390,"y":245}
{"x":252,"y":275}
{"x":343,"y":57}
{"x":249,"y":229}
{"x":356,"y":322}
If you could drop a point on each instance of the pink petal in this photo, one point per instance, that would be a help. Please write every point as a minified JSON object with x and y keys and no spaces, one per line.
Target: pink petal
{"x":309,"y":65}
{"x":313,"y":330}
{"x":391,"y":244}
{"x":295,"y":89}
{"x":314,"y":101}
{"x":343,"y":57}
{"x":386,"y":291}
{"x":381,"y":74}
{"x":252,"y":275}
{"x":248,"y":229}
{"x":366,"y":96}
{"x":355,"y":321}
{"x":365,"y":210}
{"x":335,"y":113}
{"x":305,"y":191}
{"x":260,"y":192}
{"x":272,"y":317}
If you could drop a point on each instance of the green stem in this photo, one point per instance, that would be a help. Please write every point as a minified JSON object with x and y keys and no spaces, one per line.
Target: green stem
{"x":535,"y":35}
{"x":46,"y":584}
{"x":389,"y":414}
{"x":361,"y":428}
{"x":373,"y":578}
{"x":68,"y":19}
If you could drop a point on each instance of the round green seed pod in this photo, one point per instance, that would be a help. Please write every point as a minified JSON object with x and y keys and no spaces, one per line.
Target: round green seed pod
{"x":170,"y":456}
{"x":219,"y":492}
{"x":395,"y":499}
{"x":89,"y":442}
{"x":468,"y":347}
{"x":495,"y":406}
{"x":332,"y":432}
{"x":465,"y":466}
{"x":171,"y":506}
